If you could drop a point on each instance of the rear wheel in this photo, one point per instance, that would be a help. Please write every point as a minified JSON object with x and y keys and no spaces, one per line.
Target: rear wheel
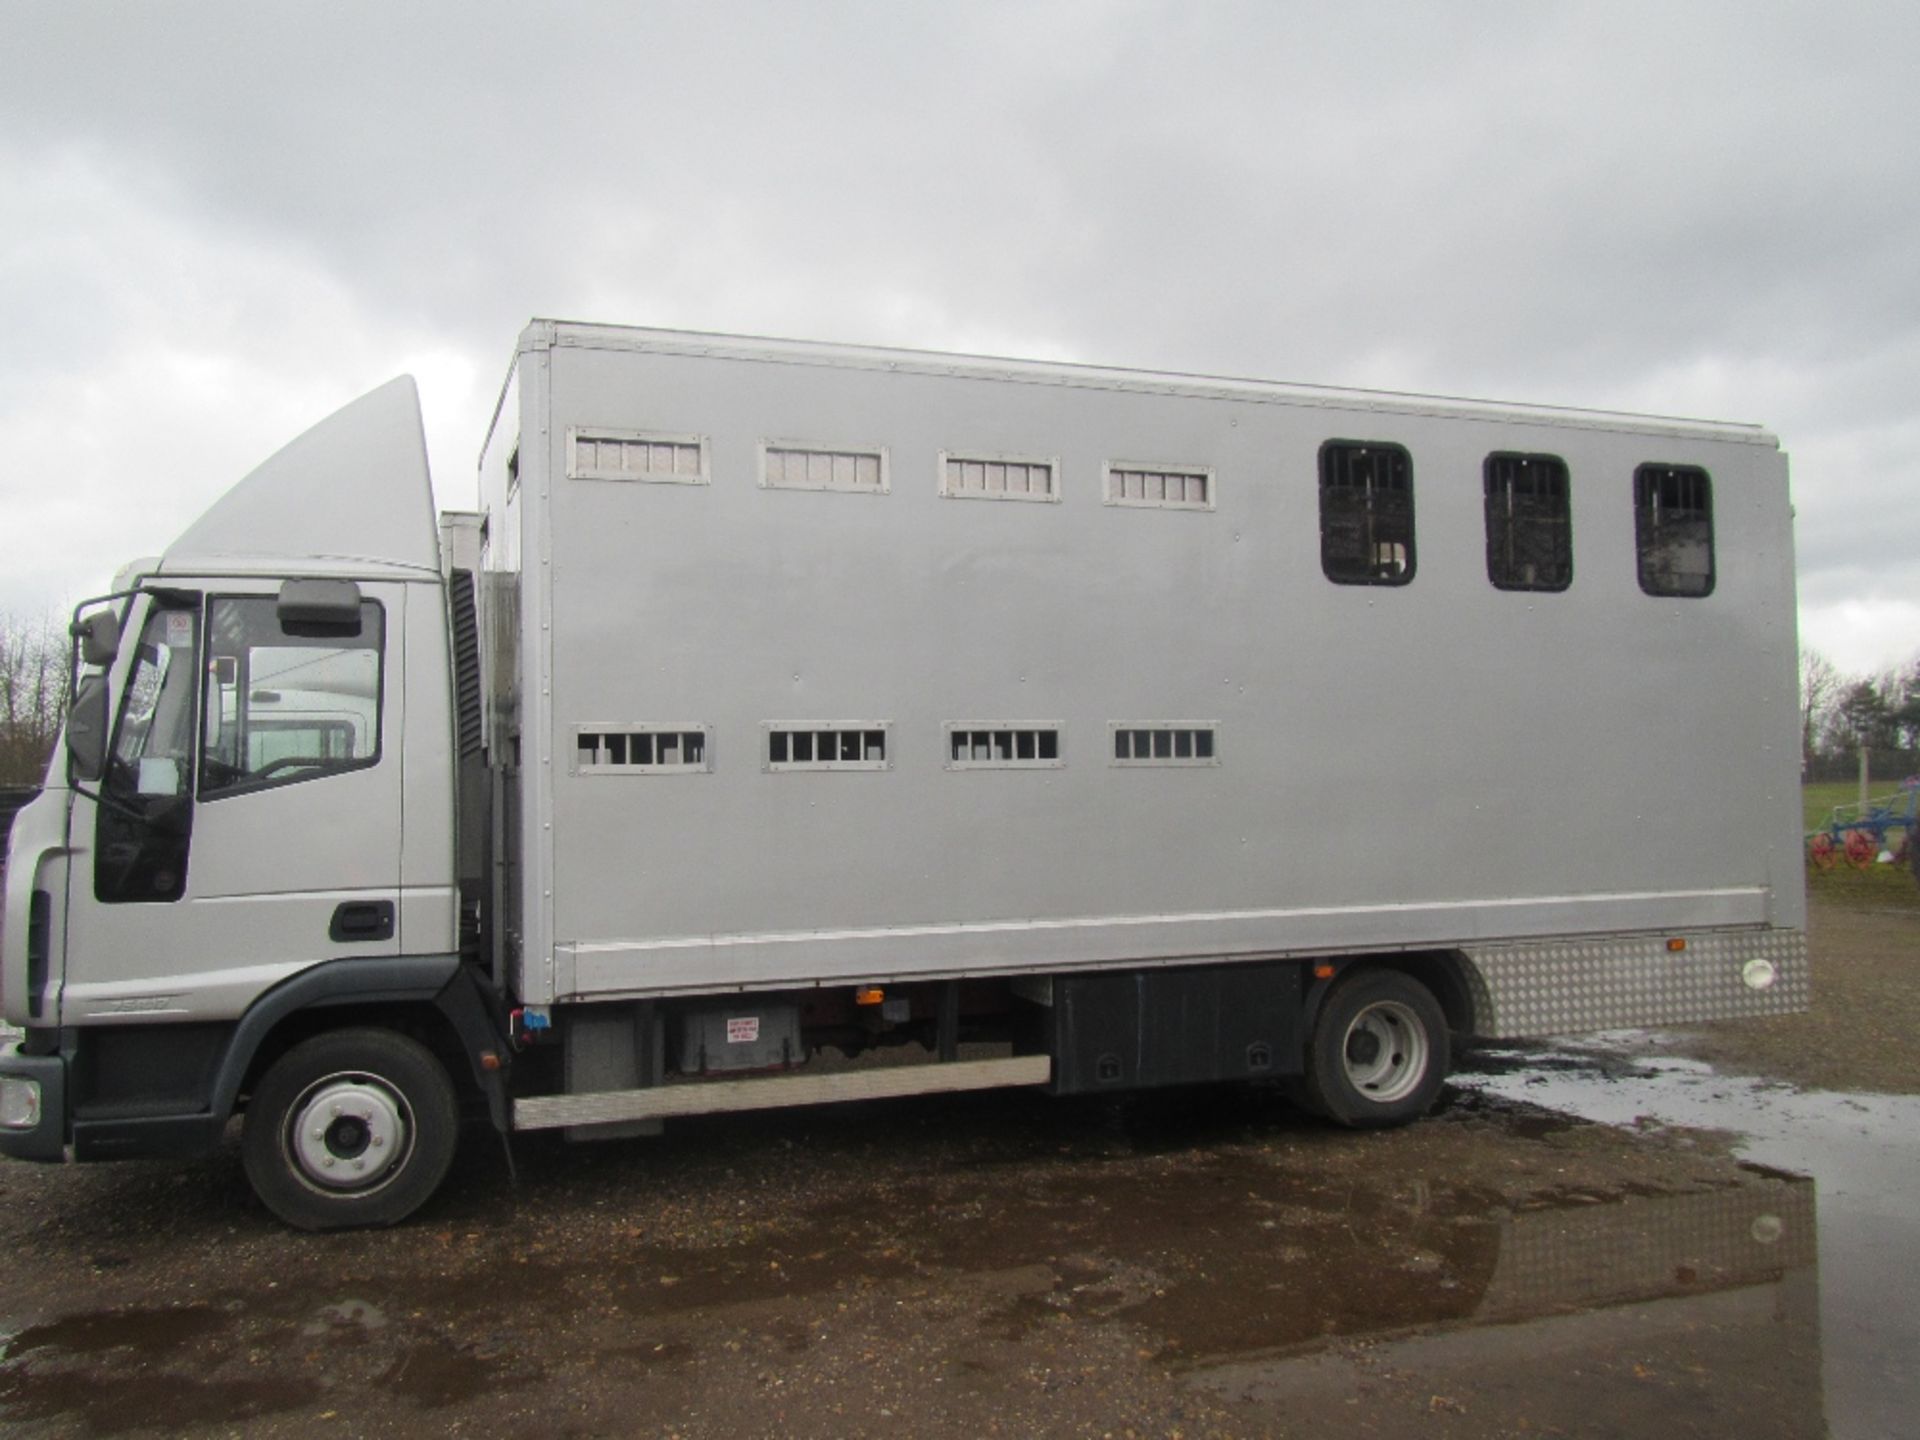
{"x":352,"y":1128}
{"x":1379,"y":1051}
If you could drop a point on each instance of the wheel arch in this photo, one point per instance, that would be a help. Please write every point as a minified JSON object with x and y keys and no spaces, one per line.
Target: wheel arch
{"x":431,"y":998}
{"x":1448,"y":974}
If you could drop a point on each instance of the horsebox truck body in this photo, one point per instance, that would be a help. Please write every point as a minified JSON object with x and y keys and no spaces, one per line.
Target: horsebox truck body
{"x":795,"y":722}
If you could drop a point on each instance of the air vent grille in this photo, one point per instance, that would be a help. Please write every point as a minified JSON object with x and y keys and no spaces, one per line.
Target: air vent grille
{"x":637,"y":455}
{"x":1180,"y":742}
{"x":645,"y":749}
{"x":807,"y":467}
{"x":1160,"y":487}
{"x":999,"y":477}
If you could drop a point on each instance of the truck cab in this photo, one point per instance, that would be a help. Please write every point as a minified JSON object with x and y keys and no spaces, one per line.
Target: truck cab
{"x":249,"y":828}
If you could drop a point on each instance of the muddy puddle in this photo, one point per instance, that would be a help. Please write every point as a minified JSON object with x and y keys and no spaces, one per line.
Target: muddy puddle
{"x":1861,"y":1154}
{"x":1202,"y":1264}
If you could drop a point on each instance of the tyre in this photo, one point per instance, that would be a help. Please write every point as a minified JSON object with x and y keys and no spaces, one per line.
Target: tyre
{"x":1379,"y":1051}
{"x":355,"y":1127}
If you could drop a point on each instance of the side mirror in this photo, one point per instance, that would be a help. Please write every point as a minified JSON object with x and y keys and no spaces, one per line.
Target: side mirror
{"x":319,"y":607}
{"x":99,"y":637}
{"x":87,"y":729}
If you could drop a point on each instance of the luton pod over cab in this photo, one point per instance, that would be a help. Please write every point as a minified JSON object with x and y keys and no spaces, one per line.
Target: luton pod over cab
{"x":793,"y":722}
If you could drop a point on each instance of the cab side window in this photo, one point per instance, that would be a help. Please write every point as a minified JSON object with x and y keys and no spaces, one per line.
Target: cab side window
{"x":287,"y":702}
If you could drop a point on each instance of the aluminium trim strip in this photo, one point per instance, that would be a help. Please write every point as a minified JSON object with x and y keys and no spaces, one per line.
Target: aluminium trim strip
{"x":550,"y":1112}
{"x":1469,"y":931}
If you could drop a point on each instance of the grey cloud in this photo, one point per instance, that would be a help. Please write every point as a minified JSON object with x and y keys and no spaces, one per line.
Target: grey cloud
{"x":1705,"y":209}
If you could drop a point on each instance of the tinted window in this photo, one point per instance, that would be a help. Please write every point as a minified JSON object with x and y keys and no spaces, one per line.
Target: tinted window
{"x":1673,"y":529}
{"x":1529,"y":535}
{"x":1366,"y":513}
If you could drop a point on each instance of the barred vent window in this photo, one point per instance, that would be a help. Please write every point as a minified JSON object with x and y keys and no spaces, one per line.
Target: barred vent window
{"x":637,"y":455}
{"x":1160,"y":487}
{"x":1529,"y":523}
{"x":834,"y":745}
{"x":999,"y":477}
{"x":1165,"y":743}
{"x":1366,"y":513}
{"x":810,"y":467}
{"x":641,"y":750}
{"x":982,"y":745}
{"x":1673,"y":529}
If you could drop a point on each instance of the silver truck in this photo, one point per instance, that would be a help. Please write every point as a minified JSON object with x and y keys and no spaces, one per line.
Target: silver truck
{"x":796,"y":722}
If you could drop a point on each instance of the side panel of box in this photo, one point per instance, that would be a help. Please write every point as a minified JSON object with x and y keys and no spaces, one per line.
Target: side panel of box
{"x":1440,"y":763}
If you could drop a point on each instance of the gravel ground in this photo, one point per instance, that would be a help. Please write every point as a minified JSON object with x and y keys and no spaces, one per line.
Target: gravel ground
{"x":1202,"y":1263}
{"x":979,"y":1266}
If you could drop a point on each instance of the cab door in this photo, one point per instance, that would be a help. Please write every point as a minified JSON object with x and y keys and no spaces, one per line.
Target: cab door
{"x":248,"y":825}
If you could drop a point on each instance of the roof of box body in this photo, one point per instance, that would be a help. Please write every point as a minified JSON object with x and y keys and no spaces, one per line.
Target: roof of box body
{"x":544,"y":334}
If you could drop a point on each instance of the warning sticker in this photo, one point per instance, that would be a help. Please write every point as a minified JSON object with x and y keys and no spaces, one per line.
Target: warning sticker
{"x":179,"y":629}
{"x":743,"y":1031}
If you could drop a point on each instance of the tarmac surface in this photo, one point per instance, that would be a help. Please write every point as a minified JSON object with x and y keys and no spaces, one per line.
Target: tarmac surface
{"x":1593,"y":1239}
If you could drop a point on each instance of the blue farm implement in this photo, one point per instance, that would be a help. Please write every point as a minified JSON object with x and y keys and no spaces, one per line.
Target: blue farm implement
{"x":1860,"y":835}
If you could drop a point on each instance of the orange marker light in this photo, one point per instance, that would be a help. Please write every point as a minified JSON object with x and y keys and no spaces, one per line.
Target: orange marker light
{"x":871,"y":996}
{"x":1676,"y":944}
{"x":1323,"y":972}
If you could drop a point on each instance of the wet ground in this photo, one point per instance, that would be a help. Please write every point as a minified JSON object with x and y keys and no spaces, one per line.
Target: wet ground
{"x":1596,"y":1239}
{"x":1200,"y":1264}
{"x":1862,"y":1150}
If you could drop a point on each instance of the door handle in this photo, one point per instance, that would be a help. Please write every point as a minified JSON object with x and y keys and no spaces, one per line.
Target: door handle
{"x":358,"y":921}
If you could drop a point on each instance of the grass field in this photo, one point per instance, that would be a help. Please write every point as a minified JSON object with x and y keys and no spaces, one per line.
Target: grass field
{"x":1879,"y":887}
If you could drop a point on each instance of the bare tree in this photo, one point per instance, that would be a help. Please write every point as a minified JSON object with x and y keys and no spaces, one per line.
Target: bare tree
{"x":1819,"y":686}
{"x":1901,"y":687}
{"x":33,"y":695}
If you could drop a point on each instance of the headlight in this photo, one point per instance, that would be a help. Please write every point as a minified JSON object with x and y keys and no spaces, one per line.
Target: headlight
{"x":19,"y":1103}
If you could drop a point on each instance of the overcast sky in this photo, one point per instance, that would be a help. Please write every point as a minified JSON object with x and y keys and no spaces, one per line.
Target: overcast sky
{"x":220,"y":222}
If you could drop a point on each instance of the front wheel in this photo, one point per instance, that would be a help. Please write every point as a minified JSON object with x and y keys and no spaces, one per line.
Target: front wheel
{"x":356,"y":1127}
{"x":1379,"y":1051}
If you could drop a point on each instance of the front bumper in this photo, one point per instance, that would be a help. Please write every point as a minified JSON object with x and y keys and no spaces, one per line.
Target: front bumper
{"x":33,"y":1105}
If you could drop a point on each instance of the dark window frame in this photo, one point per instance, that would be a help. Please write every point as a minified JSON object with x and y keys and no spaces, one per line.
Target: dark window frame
{"x":1516,"y":539}
{"x":1378,"y":511}
{"x":1669,"y":502}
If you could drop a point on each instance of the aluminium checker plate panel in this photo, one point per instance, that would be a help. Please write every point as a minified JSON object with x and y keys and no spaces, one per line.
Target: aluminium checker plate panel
{"x":1553,"y":987}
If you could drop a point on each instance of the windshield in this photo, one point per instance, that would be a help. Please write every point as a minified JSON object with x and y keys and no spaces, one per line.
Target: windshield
{"x":155,"y":737}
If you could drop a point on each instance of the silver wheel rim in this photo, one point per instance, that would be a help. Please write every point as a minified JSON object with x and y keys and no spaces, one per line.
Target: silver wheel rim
{"x":1385,"y":1052}
{"x":349,"y":1134}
